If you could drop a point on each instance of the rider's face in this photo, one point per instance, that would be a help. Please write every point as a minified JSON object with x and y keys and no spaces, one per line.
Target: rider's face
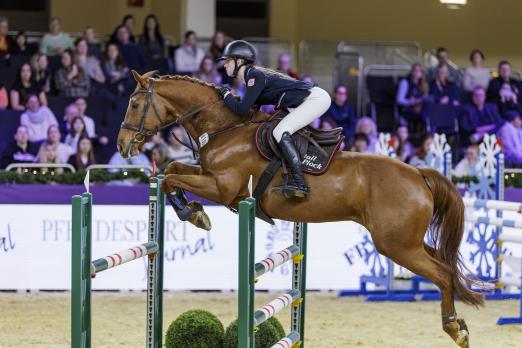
{"x":230,"y":66}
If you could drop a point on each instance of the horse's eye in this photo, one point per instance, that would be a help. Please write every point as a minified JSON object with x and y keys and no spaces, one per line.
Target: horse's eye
{"x":134,"y":106}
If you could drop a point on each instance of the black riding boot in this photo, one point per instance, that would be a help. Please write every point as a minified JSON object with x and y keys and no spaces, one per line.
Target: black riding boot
{"x":297,"y":186}
{"x":179,"y":202}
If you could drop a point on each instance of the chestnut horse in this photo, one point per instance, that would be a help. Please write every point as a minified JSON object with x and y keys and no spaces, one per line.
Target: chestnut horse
{"x":395,"y":202}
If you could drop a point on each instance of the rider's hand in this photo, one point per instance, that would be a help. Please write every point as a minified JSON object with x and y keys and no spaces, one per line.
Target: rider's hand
{"x":224,"y":91}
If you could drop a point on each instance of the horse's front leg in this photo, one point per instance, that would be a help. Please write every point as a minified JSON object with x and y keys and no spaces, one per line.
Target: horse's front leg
{"x":182,"y":168}
{"x":203,"y":185}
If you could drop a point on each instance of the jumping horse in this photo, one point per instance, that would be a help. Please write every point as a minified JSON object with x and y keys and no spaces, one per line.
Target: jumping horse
{"x":398,"y":204}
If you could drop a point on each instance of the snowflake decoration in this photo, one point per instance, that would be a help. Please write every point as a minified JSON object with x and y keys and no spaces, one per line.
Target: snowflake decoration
{"x":484,"y":238}
{"x":383,"y":146}
{"x":438,"y":149}
{"x":489,"y":150}
{"x":371,"y":257}
{"x":484,"y":188}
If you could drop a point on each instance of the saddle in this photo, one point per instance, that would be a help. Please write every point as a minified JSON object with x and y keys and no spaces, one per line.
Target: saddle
{"x":315,"y":146}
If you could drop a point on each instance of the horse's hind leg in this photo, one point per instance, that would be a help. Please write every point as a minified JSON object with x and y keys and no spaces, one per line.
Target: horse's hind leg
{"x":419,"y":261}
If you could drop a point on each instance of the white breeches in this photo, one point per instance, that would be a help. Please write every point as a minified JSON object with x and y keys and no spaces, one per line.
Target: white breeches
{"x":313,"y":106}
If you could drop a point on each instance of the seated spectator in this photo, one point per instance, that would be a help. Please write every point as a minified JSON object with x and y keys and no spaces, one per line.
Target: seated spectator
{"x":63,"y":151}
{"x":469,"y":164}
{"x":140,"y":159}
{"x":24,"y":87}
{"x":77,"y":131}
{"x":442,"y":89}
{"x":37,"y":119}
{"x":160,"y":157}
{"x":94,"y":46}
{"x":4,"y":100}
{"x":420,"y":157}
{"x":21,"y":150}
{"x":411,"y":96}
{"x":366,"y":126}
{"x":115,"y":70}
{"x":84,"y":156}
{"x":503,"y":90}
{"x":360,"y":143}
{"x":403,"y":148}
{"x":479,"y":118}
{"x":70,"y":79}
{"x":154,"y":140}
{"x":40,"y":66}
{"x":55,"y":42}
{"x":130,"y":52}
{"x":207,"y":72}
{"x":475,"y":75}
{"x":189,"y":55}
{"x":49,"y":155}
{"x":443,"y":59}
{"x":284,"y":65}
{"x":177,"y":151}
{"x":6,"y":42}
{"x":128,"y":22}
{"x":90,"y":64}
{"x":342,"y":113}
{"x":90,"y":127}
{"x":151,"y":41}
{"x":217,"y":46}
{"x":71,"y":111}
{"x":20,"y":46}
{"x":511,"y":135}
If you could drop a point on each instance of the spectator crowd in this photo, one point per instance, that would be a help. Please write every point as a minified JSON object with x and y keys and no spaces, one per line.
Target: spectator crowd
{"x":62,"y":99}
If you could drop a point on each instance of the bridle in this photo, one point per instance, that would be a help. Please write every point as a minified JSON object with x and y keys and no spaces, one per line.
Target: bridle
{"x":141,"y":133}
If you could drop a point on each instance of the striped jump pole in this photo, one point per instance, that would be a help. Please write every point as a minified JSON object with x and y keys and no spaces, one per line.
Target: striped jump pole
{"x":249,"y":271}
{"x":494,"y":221}
{"x":492,"y":204}
{"x":83,"y":269}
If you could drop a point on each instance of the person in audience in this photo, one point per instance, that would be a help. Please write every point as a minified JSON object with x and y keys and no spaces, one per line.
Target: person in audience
{"x":402,"y":146}
{"x":77,"y":131}
{"x":89,"y":64}
{"x":90,"y":126}
{"x":503,"y":90}
{"x":55,"y":42}
{"x":49,"y":155}
{"x":367,"y":126}
{"x":284,"y":65}
{"x":63,"y":151}
{"x":127,"y":22}
{"x":207,"y":72}
{"x":217,"y":46}
{"x":24,"y":87}
{"x":115,"y":70}
{"x":160,"y":156}
{"x":37,"y":119}
{"x":475,"y":75}
{"x":511,"y":136}
{"x":94,"y":46}
{"x":84,"y":154}
{"x":411,"y":95}
{"x":468,"y":165}
{"x":177,"y":151}
{"x":342,"y":113}
{"x":4,"y":100}
{"x":154,"y":140}
{"x":21,"y":150}
{"x":6,"y":42}
{"x":140,"y":159}
{"x":419,"y":158}
{"x":71,"y":111}
{"x":40,"y":66}
{"x":479,"y":118}
{"x":130,"y":52}
{"x":151,"y":41}
{"x":189,"y":55}
{"x":360,"y":143}
{"x":442,"y":89}
{"x":70,"y":79}
{"x":20,"y":46}
{"x":443,"y":59}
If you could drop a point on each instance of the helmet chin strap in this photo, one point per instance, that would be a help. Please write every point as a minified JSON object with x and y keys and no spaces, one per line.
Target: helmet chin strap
{"x":237,"y":67}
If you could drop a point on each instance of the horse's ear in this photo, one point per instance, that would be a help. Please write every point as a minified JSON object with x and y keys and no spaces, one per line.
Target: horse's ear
{"x":142,"y":81}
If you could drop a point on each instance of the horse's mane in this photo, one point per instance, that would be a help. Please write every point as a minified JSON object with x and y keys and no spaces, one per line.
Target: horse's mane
{"x":189,"y":79}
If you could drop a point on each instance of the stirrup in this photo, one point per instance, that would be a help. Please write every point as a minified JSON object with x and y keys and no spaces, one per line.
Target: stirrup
{"x":292,"y":190}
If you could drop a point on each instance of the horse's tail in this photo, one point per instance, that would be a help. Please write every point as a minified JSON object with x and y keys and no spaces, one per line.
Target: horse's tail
{"x":446,"y":231}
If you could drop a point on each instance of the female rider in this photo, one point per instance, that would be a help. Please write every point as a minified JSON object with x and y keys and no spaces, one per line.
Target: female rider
{"x":305,"y":101}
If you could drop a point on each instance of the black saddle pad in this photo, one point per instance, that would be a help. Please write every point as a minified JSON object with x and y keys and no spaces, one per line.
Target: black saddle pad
{"x":315,"y":146}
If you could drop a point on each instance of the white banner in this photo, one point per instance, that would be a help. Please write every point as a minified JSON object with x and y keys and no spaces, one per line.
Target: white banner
{"x":35,"y":250}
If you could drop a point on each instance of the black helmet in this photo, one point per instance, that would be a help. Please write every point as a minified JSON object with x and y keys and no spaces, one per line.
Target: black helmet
{"x":240,"y":49}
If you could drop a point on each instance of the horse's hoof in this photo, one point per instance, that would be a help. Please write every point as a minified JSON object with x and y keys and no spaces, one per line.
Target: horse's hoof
{"x":200,"y":219}
{"x":195,"y":206}
{"x":462,"y":339}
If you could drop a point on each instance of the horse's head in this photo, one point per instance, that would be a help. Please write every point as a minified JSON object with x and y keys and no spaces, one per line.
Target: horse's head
{"x":147,"y":113}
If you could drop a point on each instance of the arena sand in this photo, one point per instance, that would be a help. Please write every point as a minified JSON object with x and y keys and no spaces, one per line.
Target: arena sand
{"x":42,"y":320}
